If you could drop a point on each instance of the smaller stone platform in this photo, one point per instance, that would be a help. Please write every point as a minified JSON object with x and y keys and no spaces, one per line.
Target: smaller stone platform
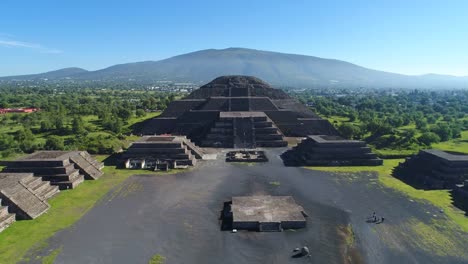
{"x":434,"y":169}
{"x":460,"y":196}
{"x":161,"y":152}
{"x":25,"y":195}
{"x":321,"y":150}
{"x":65,"y":169}
{"x":266,"y":213}
{"x":246,"y":156}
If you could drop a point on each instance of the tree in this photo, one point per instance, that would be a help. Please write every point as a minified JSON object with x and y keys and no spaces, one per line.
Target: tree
{"x":78,"y":126}
{"x":124,"y":113}
{"x":6,"y":141}
{"x":421,"y":123}
{"x":25,"y":139}
{"x":349,"y":131}
{"x":54,"y":143}
{"x":46,"y":125}
{"x":140,"y":113}
{"x":428,"y":138}
{"x":443,"y":131}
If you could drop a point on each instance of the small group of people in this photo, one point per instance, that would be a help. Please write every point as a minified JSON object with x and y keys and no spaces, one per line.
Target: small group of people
{"x":375,"y":219}
{"x":301,"y":252}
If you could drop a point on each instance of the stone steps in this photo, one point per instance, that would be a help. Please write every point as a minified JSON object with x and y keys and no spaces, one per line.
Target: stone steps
{"x":49,"y":192}
{"x":195,"y":150}
{"x":90,"y":159}
{"x":3,"y":210}
{"x":40,"y":188}
{"x":69,"y":184}
{"x":6,"y":220}
{"x":42,"y":170}
{"x":86,"y":168}
{"x":32,"y":182}
{"x":23,"y":202}
{"x":61,"y":177}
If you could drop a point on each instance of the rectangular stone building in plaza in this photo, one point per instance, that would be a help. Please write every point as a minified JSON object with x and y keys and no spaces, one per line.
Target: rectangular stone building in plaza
{"x":267,"y":213}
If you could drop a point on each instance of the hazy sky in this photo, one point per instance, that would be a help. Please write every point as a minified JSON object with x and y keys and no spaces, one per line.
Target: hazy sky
{"x":411,"y":36}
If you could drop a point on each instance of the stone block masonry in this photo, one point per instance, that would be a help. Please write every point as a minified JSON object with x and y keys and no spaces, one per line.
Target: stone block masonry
{"x":65,"y":169}
{"x":266,"y":213}
{"x":222,"y":114}
{"x":151,"y":151}
{"x":321,"y":150}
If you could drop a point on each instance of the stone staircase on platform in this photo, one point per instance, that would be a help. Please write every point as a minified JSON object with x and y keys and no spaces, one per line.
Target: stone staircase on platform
{"x":244,"y":130}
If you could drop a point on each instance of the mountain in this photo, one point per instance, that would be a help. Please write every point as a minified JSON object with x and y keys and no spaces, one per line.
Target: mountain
{"x":58,"y":74}
{"x":279,"y":69}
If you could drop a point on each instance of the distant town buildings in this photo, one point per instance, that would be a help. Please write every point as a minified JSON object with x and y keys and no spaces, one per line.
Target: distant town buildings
{"x":18,"y":110}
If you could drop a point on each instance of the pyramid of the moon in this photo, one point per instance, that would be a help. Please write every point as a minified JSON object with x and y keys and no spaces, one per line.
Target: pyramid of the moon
{"x":239,"y":112}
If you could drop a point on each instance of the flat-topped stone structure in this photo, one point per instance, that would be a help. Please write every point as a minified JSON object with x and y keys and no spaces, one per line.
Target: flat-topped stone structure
{"x":153,"y":152}
{"x":266,"y":213}
{"x":460,"y":196}
{"x":65,"y":169}
{"x":246,"y":156}
{"x":25,"y":195}
{"x":238,"y":112}
{"x":322,"y":150}
{"x":434,"y":169}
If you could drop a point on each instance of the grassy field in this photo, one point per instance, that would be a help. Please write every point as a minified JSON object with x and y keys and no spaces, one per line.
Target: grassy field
{"x":459,"y":144}
{"x":440,"y":198}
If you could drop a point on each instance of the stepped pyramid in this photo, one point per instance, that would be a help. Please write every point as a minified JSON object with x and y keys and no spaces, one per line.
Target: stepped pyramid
{"x":323,"y":150}
{"x":25,"y":195}
{"x":65,"y":169}
{"x":460,"y":196}
{"x":149,"y":151}
{"x":433,"y":169}
{"x":238,"y":111}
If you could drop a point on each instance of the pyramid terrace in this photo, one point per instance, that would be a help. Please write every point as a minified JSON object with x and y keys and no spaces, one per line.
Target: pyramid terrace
{"x":238,"y":112}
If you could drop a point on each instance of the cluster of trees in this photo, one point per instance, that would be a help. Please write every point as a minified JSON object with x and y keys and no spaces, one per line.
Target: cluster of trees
{"x":96,"y":120}
{"x":394,"y":119}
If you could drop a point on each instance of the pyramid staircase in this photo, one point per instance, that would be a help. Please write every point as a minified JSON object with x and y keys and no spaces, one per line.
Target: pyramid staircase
{"x":244,"y":132}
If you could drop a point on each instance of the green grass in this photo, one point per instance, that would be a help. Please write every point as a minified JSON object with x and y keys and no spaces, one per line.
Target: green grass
{"x":275,"y":183}
{"x":458,"y":144}
{"x":50,"y":259}
{"x":439,"y":198}
{"x":66,"y":208}
{"x":157,"y":259}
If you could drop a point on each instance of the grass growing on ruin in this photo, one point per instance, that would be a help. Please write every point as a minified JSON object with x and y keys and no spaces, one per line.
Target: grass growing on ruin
{"x":50,"y":259}
{"x":66,"y":208}
{"x":439,"y":198}
{"x":157,"y":259}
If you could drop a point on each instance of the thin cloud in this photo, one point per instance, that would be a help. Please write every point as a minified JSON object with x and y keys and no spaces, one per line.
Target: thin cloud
{"x":28,"y":45}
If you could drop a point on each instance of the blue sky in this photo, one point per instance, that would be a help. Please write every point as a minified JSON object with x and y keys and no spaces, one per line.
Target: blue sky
{"x":411,"y":37}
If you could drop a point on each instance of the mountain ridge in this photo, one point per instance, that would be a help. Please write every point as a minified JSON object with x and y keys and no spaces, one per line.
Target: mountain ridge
{"x":279,"y":69}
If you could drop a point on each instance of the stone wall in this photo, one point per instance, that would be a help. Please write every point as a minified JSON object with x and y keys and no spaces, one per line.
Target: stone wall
{"x":330,"y":151}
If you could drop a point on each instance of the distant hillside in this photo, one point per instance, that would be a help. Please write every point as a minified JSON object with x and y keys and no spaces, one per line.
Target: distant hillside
{"x":58,"y":74}
{"x":279,"y":69}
